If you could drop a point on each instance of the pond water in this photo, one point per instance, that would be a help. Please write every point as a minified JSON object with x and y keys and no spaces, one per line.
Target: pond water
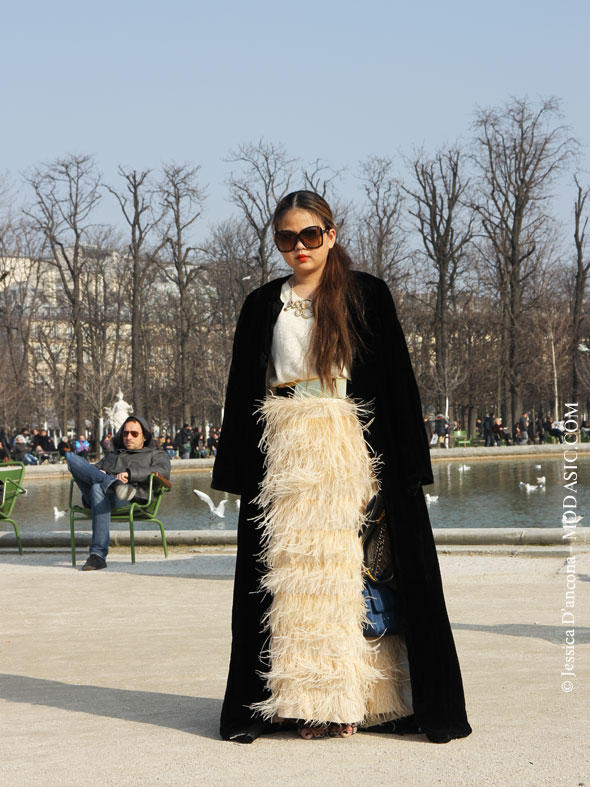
{"x":487,"y":495}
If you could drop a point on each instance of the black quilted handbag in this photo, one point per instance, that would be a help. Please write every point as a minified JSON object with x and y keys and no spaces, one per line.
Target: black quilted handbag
{"x":379,"y":591}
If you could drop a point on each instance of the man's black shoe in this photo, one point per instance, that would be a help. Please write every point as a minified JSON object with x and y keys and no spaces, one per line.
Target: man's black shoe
{"x":94,"y":563}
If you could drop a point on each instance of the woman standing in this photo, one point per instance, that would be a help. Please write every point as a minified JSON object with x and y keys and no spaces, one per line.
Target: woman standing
{"x":322,"y":407}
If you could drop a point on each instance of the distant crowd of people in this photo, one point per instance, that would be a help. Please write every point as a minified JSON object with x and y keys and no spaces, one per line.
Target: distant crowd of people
{"x":191,"y":443}
{"x":494,"y":433}
{"x":524,"y":431}
{"x":37,"y":446}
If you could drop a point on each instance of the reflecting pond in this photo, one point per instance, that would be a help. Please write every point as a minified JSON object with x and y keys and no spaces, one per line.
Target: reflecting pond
{"x":486,"y":495}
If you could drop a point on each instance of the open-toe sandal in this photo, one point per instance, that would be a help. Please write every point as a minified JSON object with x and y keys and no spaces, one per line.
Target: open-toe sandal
{"x":342,"y":730}
{"x":311,"y":732}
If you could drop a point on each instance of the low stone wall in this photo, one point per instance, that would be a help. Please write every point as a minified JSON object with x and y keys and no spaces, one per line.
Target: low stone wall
{"x":506,"y":451}
{"x":493,"y":536}
{"x":33,"y":472}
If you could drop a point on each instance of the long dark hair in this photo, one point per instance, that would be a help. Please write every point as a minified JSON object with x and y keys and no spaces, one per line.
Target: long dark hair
{"x":336,"y":302}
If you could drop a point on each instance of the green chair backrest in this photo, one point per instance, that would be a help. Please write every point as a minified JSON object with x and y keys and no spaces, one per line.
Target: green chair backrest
{"x":11,"y":476}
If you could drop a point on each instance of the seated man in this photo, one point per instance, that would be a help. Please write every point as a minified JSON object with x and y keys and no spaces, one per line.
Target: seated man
{"x":120,"y":476}
{"x":23,"y":451}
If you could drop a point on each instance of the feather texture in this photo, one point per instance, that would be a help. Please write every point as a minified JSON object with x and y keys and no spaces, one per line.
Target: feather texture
{"x":319,"y":476}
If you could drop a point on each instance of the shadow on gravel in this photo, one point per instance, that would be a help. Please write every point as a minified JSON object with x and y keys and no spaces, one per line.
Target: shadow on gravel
{"x":195,"y":715}
{"x":199,"y":566}
{"x":553,"y":634}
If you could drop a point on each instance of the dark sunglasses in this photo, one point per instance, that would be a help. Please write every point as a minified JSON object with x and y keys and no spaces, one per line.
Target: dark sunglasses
{"x":311,"y":237}
{"x":130,"y":432}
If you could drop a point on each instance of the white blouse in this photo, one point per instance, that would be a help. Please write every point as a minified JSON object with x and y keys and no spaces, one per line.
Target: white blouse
{"x":290,"y":342}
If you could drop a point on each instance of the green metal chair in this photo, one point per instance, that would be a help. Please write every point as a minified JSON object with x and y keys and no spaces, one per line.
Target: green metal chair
{"x":11,"y":476}
{"x":461,"y":437}
{"x":144,"y":512}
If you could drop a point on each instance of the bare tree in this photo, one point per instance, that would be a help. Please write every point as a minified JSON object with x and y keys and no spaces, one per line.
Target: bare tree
{"x":66,"y":193}
{"x":105,"y":345}
{"x":135,"y":200}
{"x":230,"y":274}
{"x":181,"y":198}
{"x":381,"y":239}
{"x":520,"y":149}
{"x":445,"y":227}
{"x":21,"y":296}
{"x":549,"y":327}
{"x":320,"y":178}
{"x":264,"y":177}
{"x":582,"y":268}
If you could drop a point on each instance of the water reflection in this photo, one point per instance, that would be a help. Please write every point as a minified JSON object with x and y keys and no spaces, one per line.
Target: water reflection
{"x":180,"y":508}
{"x":487,"y":495}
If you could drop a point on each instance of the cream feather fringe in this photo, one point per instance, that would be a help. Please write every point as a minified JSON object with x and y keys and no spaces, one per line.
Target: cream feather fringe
{"x":319,"y":476}
{"x":388,"y":698}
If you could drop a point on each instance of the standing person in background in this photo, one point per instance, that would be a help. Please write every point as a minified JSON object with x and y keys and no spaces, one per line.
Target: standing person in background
{"x":327,"y":341}
{"x":523,"y":428}
{"x":488,"y":430}
{"x":441,"y":429}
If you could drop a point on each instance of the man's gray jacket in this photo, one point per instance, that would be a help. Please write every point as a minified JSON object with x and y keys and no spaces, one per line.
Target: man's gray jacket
{"x":139,"y":464}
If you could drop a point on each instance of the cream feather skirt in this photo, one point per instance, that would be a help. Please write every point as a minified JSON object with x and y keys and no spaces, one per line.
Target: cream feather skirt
{"x":319,"y":477}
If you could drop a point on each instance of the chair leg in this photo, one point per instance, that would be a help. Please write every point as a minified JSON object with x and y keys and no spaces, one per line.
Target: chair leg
{"x":132,"y":537}
{"x":16,"y":534}
{"x":72,"y":538}
{"x":18,"y":541}
{"x":164,"y":544}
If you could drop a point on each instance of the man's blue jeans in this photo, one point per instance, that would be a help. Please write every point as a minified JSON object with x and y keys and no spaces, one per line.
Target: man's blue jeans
{"x":95,"y":487}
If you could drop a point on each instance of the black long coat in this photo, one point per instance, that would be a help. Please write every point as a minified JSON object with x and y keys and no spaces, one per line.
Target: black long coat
{"x":382,"y":374}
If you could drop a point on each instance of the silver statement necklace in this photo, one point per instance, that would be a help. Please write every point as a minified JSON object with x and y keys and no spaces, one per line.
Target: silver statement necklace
{"x":302,"y":306}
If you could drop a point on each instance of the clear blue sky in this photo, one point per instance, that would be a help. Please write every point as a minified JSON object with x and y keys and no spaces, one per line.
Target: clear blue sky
{"x":139,"y":83}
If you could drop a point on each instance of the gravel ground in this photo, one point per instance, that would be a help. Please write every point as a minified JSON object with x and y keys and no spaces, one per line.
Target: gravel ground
{"x":116,"y":678}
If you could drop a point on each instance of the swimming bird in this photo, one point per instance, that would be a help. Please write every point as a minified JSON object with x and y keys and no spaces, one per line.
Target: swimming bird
{"x":430,"y":498}
{"x":213,"y":509}
{"x":536,"y":467}
{"x":57,"y":513}
{"x":541,"y":480}
{"x":528,"y":487}
{"x":461,"y":468}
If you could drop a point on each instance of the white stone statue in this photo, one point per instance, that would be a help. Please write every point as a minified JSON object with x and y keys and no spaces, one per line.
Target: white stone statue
{"x":118,"y":413}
